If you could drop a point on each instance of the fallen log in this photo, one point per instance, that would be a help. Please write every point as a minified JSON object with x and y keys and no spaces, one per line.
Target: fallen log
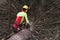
{"x":22,"y":35}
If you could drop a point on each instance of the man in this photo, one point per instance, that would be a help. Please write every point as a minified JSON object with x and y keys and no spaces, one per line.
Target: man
{"x":21,"y":17}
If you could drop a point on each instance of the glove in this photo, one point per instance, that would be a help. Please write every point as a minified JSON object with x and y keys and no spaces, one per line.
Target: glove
{"x":19,"y":29}
{"x":28,"y":25}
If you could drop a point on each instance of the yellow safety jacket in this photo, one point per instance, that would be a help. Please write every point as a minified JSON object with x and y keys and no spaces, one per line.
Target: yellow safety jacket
{"x":21,"y":16}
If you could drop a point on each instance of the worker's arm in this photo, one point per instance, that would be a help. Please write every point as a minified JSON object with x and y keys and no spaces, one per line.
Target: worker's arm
{"x":27,"y":21}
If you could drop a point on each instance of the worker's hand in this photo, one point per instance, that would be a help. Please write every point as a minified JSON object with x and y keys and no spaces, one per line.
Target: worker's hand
{"x":19,"y":29}
{"x":28,"y":25}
